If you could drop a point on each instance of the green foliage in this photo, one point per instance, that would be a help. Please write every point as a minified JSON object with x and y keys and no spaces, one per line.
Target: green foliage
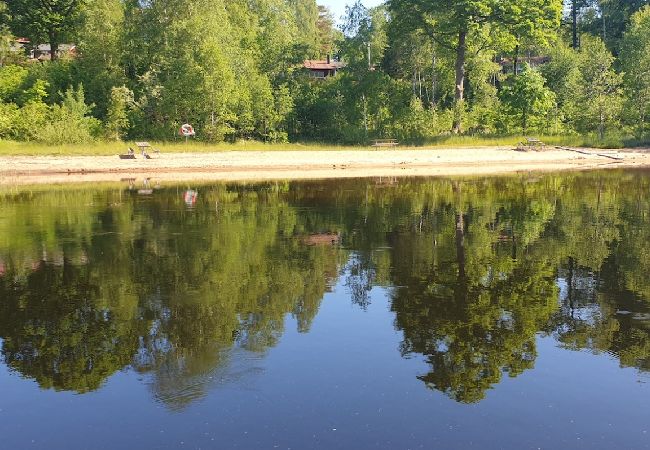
{"x":412,"y":68}
{"x":70,"y":122}
{"x":99,"y":65}
{"x":505,"y":24}
{"x":12,"y":81}
{"x":22,"y":111}
{"x":327,"y":34}
{"x":117,"y":121}
{"x":527,"y":100}
{"x":482,"y":106}
{"x":597,"y":91}
{"x":609,"y":19}
{"x":635,"y":61}
{"x":561,"y":75}
{"x":6,"y":37}
{"x":50,"y":21}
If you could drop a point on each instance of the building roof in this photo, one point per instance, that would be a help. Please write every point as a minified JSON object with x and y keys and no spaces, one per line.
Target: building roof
{"x":314,"y":64}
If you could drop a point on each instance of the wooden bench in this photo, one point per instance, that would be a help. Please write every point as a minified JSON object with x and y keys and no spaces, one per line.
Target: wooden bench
{"x":385,"y":143}
{"x":531,"y":143}
{"x":130,"y":154}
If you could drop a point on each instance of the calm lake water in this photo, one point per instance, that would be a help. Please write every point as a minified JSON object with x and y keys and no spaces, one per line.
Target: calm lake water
{"x":381,"y":313}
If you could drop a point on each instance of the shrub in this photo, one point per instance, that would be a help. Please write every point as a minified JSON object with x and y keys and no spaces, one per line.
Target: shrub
{"x":117,"y":120}
{"x":8,"y":119}
{"x":526,"y":100}
{"x":69,"y":123}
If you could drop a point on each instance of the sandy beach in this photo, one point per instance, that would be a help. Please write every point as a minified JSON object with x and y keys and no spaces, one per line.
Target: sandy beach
{"x":265,"y":165}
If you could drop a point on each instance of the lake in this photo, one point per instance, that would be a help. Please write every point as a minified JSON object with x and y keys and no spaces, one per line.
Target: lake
{"x":504,"y":312}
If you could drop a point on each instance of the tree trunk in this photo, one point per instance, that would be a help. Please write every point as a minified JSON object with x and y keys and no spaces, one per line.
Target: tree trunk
{"x":602,"y":16}
{"x":461,"y":49}
{"x":54,"y":46}
{"x":515,"y":63}
{"x":365,"y":114}
{"x":460,"y":244}
{"x":574,"y":23}
{"x":524,"y":121}
{"x":433,"y":78}
{"x":570,"y":285}
{"x":601,"y":125}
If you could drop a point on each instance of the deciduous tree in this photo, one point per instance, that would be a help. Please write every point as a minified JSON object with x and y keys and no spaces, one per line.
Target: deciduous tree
{"x":45,"y":21}
{"x":453,"y":22}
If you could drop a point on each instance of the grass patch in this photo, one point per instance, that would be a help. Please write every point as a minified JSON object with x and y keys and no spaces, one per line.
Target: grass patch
{"x":590,"y":141}
{"x":103,"y":148}
{"x":8,"y":148}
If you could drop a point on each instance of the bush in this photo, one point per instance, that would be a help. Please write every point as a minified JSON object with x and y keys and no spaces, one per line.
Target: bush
{"x":117,"y":120}
{"x":8,"y":119}
{"x":416,"y":125}
{"x":69,"y":123}
{"x":527,"y":101}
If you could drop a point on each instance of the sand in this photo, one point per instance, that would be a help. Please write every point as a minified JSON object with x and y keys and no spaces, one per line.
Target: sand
{"x":265,"y":165}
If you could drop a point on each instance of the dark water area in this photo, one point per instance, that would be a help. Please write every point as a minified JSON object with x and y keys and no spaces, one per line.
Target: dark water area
{"x":377,"y":313}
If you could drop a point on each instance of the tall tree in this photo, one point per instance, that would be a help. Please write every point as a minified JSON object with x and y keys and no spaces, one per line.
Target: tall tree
{"x":326,"y":31}
{"x":100,"y":43}
{"x":575,"y":6}
{"x":609,"y":19}
{"x":45,"y":21}
{"x":598,"y":89}
{"x":454,"y":21}
{"x":6,"y":39}
{"x":635,"y":60}
{"x":526,"y":97}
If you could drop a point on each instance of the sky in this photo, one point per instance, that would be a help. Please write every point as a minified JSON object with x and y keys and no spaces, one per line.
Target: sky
{"x":338,"y":6}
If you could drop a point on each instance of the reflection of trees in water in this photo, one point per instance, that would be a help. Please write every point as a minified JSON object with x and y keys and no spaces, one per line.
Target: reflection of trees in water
{"x":478,"y":280}
{"x":470,"y":324}
{"x":359,"y":279}
{"x":602,"y":315}
{"x":165,"y":291}
{"x":56,"y":332}
{"x":481,"y":267}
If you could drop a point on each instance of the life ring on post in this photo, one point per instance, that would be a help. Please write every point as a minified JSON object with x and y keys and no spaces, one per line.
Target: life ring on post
{"x":187,"y":130}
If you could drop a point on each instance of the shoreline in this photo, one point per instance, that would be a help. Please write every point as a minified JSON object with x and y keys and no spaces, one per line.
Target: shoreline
{"x":269,"y":165}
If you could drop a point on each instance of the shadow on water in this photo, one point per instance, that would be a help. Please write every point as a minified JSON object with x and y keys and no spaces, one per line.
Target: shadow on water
{"x":94,"y":281}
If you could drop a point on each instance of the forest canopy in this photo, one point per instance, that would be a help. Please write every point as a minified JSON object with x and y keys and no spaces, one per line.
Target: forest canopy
{"x":75,"y":71}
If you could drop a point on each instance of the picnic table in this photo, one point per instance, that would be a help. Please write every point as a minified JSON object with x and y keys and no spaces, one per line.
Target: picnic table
{"x":531,"y":143}
{"x":144,"y":146}
{"x":385,"y":143}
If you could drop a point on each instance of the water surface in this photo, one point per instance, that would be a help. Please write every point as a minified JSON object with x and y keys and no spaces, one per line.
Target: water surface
{"x":377,"y":313}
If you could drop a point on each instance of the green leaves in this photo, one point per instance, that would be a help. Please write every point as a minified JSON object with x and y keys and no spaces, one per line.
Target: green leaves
{"x":635,"y":62}
{"x":45,"y":22}
{"x":597,"y":89}
{"x":70,"y":122}
{"x":453,"y":24}
{"x":526,"y":97}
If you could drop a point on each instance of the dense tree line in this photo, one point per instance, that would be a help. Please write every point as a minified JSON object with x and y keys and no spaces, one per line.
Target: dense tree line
{"x":414,"y":69}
